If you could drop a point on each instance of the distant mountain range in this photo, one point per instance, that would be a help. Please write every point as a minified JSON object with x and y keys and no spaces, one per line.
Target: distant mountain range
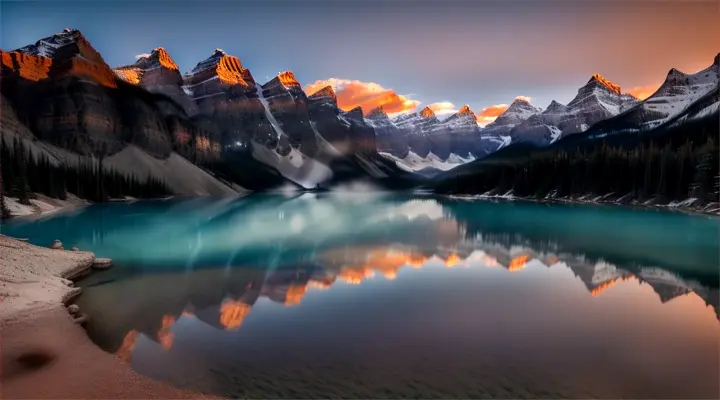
{"x":62,"y":98}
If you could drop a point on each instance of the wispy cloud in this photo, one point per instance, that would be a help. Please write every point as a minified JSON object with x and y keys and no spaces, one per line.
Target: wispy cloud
{"x":526,"y":98}
{"x":368,"y":95}
{"x":144,"y":55}
{"x":489,"y":114}
{"x":443,"y":108}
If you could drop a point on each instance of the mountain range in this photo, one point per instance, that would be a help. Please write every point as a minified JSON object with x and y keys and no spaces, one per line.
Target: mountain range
{"x":216,"y":130}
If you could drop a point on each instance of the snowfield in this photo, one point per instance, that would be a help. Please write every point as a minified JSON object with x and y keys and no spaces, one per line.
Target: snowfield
{"x":415,"y":163}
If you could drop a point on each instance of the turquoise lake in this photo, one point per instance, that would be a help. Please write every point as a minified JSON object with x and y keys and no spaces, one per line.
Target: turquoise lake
{"x":380,"y":295}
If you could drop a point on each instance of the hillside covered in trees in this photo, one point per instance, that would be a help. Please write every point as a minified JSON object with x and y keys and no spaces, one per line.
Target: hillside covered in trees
{"x":673,"y":164}
{"x":24,"y":174}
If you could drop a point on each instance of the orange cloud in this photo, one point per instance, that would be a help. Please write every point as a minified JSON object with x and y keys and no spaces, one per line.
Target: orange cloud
{"x":526,"y":98}
{"x":368,"y":95}
{"x":489,"y":114}
{"x":643,"y":92}
{"x":443,"y":108}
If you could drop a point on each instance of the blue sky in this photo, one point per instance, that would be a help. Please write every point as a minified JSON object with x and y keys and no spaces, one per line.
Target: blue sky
{"x":465,"y":52}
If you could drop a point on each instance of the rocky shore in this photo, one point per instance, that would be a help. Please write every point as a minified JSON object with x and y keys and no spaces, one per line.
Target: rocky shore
{"x":45,"y":351}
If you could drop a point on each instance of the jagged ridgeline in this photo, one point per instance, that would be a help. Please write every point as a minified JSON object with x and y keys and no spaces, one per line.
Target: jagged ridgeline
{"x":675,"y":163}
{"x":217,"y":131}
{"x":211,"y":131}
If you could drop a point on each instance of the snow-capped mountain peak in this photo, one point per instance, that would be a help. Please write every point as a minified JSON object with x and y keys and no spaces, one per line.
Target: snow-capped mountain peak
{"x":414,"y":163}
{"x":601,"y":80}
{"x":378,"y":118}
{"x":555,"y":108}
{"x":377,"y":113}
{"x":213,"y":61}
{"x":69,"y":43}
{"x":416,"y":123}
{"x":679,"y":90}
{"x":464,"y":119}
{"x":355,"y":114}
{"x":287,"y":79}
{"x":601,"y":98}
{"x":221,"y":66}
{"x":518,"y":111}
{"x":326,"y":92}
{"x":465,"y":110}
{"x":427,"y":113}
{"x":158,"y":58}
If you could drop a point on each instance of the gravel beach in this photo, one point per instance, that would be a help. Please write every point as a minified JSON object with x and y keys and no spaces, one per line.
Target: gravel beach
{"x":44,"y":353}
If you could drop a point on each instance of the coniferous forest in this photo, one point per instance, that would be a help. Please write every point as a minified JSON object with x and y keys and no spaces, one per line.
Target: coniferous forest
{"x":24,"y":174}
{"x":675,"y":166}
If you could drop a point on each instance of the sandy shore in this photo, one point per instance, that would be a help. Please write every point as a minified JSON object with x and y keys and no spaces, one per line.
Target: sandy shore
{"x":44,"y":353}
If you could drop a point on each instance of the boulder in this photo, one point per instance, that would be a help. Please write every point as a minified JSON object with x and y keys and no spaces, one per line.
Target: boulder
{"x":81,"y":319}
{"x":102,"y":263}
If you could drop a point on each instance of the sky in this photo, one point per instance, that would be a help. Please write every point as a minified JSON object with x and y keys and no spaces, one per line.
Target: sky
{"x":401,"y":54}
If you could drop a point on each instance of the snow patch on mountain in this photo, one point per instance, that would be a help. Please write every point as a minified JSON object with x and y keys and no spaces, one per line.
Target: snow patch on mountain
{"x":274,"y":122}
{"x":49,"y":46}
{"x":414,"y":163}
{"x":680,"y":90}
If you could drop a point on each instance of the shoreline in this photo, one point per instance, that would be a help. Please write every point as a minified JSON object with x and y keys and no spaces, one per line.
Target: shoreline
{"x":43,"y":206}
{"x":46,"y":354}
{"x":597,"y":201}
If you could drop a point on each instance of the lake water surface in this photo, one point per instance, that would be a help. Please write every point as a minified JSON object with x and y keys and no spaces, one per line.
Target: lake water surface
{"x":386,"y":296}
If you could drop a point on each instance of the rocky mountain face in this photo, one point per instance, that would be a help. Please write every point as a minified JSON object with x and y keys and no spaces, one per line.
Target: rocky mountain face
{"x":423,"y":134}
{"x":681,"y":96}
{"x":390,"y":138}
{"x":499,"y":130}
{"x":417,"y":128}
{"x":348,"y":131}
{"x":284,"y":98}
{"x":541,"y":128}
{"x":597,"y":100}
{"x":216,"y":116}
{"x":70,"y":97}
{"x":158,"y":73}
{"x":228,"y":105}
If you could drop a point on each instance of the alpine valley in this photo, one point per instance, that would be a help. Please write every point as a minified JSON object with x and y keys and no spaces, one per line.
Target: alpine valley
{"x":73,"y":124}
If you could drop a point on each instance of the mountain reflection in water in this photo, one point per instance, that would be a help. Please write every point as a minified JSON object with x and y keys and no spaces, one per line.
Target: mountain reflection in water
{"x":399,"y":296}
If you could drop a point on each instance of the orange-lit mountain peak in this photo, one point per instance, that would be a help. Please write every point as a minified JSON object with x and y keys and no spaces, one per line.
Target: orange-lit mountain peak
{"x":605,"y":82}
{"x":452,"y":260}
{"x":427,"y":113}
{"x":465,"y":110}
{"x":230,"y":71}
{"x":416,"y":261}
{"x":326,"y":91}
{"x":227,"y":68}
{"x":390,"y":274}
{"x":233,"y":313}
{"x":295,"y":294}
{"x":518,"y":262}
{"x":129,"y":74}
{"x":164,"y":335}
{"x":287,"y":79}
{"x":27,"y":66}
{"x":606,"y":285}
{"x":355,"y":275}
{"x":163,"y":58}
{"x":321,"y":284}
{"x":128,"y":345}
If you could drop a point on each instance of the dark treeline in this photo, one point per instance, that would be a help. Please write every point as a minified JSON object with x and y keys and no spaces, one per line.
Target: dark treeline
{"x":24,"y":174}
{"x":663,"y":168}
